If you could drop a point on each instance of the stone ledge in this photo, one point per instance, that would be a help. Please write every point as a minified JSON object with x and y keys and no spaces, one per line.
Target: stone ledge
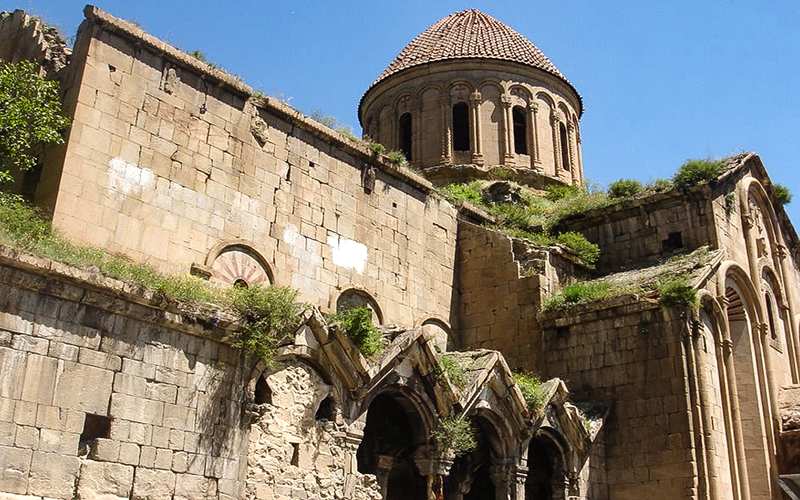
{"x":84,"y":286}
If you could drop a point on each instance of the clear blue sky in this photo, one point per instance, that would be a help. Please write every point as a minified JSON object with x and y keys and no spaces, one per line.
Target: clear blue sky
{"x":662,"y":81}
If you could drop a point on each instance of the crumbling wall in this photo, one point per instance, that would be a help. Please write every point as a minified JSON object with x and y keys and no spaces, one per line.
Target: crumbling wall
{"x":640,"y":231}
{"x":105,"y":394}
{"x":501,"y":285}
{"x":294,"y":453}
{"x":24,"y":37}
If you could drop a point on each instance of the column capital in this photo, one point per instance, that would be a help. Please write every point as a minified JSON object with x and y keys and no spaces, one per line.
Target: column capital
{"x":727,"y":346}
{"x":780,"y":252}
{"x":475,"y":97}
{"x":506,"y":101}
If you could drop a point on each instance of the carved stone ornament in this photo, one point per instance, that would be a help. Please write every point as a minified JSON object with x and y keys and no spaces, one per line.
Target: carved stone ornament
{"x":368,"y":175}
{"x":170,"y":80}
{"x":259,"y":128}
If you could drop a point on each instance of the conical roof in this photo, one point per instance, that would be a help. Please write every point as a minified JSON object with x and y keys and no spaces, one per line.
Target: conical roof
{"x":469,"y":34}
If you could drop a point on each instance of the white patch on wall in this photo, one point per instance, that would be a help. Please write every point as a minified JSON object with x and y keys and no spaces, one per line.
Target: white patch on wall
{"x":292,"y":237}
{"x":348,"y":254}
{"x":127,"y":178}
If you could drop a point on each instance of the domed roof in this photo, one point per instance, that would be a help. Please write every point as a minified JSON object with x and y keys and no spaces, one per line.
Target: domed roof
{"x":469,"y":34}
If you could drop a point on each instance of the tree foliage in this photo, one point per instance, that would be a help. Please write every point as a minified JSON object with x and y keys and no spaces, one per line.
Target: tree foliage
{"x":29,"y":115}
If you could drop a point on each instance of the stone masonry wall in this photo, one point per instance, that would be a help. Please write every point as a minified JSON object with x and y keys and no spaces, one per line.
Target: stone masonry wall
{"x":631,"y":354}
{"x":105,"y":395}
{"x":167,"y":159}
{"x":635,"y":232}
{"x":500,"y":295}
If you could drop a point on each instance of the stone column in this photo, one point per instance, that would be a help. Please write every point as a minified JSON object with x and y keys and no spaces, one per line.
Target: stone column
{"x":503,"y":480}
{"x":779,"y":256}
{"x":733,"y":393}
{"x":573,"y":170}
{"x":704,"y":397}
{"x":416,"y":135}
{"x":434,"y":467}
{"x":533,"y":138}
{"x":579,"y":156}
{"x":554,"y":122}
{"x":519,"y":475}
{"x":447,"y":131}
{"x":508,"y":130}
{"x":351,"y":440}
{"x":475,"y":134}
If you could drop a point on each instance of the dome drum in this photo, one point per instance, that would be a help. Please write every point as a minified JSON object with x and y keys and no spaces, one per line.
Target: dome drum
{"x":459,"y":113}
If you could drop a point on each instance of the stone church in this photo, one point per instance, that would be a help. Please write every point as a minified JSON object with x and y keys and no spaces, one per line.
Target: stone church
{"x":111,"y":391}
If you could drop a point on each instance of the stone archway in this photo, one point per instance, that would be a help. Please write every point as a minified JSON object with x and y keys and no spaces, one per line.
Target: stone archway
{"x":393,"y":433}
{"x":546,"y":475}
{"x":472,"y":476}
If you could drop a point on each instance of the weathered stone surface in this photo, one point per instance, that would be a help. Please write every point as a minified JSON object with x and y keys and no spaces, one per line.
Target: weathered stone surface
{"x":104,"y":481}
{"x":53,"y":476}
{"x":151,"y":484}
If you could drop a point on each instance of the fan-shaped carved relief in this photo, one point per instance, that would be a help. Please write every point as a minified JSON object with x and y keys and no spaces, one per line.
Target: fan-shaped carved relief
{"x":239,"y":265}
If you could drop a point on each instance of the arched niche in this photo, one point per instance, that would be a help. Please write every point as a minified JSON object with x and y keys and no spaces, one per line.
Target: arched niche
{"x":472,"y":475}
{"x":742,"y":309}
{"x":354,"y":296}
{"x":239,"y":263}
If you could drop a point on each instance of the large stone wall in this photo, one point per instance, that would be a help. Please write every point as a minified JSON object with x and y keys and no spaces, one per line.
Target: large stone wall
{"x":629,"y":354}
{"x":108,"y":395}
{"x":168,"y":159}
{"x":640,"y":231}
{"x":108,"y":391}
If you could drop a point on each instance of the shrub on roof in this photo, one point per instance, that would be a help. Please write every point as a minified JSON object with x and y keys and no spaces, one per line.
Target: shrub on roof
{"x":782,"y":194}
{"x":696,"y":172}
{"x":624,"y":188}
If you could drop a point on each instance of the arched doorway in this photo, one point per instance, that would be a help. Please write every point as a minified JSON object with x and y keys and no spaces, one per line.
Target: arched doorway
{"x":470,"y":476}
{"x":750,"y":396}
{"x":392,"y":433}
{"x":545,"y":479}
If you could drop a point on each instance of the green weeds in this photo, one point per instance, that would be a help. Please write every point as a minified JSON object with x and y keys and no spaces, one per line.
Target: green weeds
{"x":456,"y":435}
{"x":357,"y":324}
{"x":532,"y":391}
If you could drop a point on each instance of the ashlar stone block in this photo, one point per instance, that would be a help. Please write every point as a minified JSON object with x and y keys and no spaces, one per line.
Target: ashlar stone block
{"x":53,"y":475}
{"x":152,"y":484}
{"x":105,"y":481}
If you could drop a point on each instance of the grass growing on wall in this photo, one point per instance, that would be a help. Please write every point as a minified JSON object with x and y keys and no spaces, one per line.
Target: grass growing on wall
{"x":456,"y":435}
{"x":531,"y":387}
{"x":357,"y":324}
{"x":267,"y":314}
{"x":454,"y":371}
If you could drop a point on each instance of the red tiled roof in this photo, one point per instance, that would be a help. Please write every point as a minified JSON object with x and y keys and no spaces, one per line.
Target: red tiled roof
{"x":469,"y":34}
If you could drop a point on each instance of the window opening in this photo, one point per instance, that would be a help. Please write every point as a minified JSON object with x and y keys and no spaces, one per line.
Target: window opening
{"x":771,"y":318}
{"x":405,"y":135}
{"x":674,"y":241}
{"x":325,"y":410}
{"x":461,"y":127}
{"x":564,"y":146}
{"x":520,"y":130}
{"x":263,"y":392}
{"x":94,"y":427}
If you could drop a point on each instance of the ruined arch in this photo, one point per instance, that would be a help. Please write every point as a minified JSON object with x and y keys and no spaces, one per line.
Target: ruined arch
{"x":743,"y":318}
{"x":479,"y":474}
{"x":443,"y":334}
{"x":546,"y":454}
